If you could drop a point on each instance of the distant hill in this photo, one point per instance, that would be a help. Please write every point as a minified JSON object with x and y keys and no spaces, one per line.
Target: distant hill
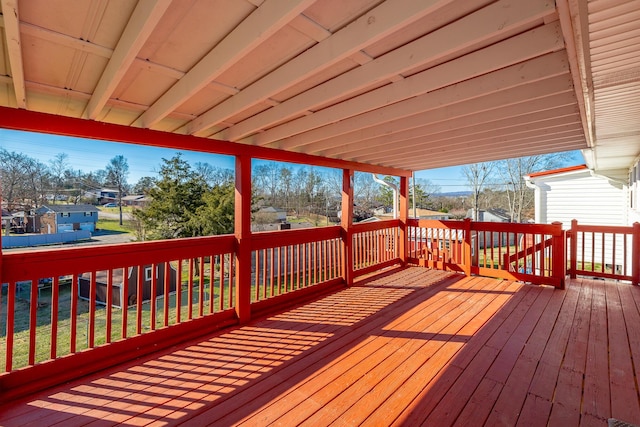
{"x":454,"y":194}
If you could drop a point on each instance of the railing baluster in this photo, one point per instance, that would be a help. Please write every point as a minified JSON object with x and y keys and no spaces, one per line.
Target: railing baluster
{"x":179,"y":291}
{"x":92,"y":310}
{"x":153,"y":300}
{"x":55,"y":295}
{"x":108,"y":307}
{"x":139,"y":298}
{"x":190,"y":290}
{"x":166,"y":283}
{"x":73,"y":313}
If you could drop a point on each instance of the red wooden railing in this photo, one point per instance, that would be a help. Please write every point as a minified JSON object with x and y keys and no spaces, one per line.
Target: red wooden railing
{"x":47,"y":322}
{"x":528,"y":252}
{"x":81,"y":298}
{"x":291,"y":260}
{"x":375,"y":246}
{"x":611,"y":252}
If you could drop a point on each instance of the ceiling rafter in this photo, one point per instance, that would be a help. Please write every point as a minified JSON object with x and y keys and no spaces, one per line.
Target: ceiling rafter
{"x":471,"y":30}
{"x":538,"y":95}
{"x":14,"y":50}
{"x":547,"y":94}
{"x":143,"y":21}
{"x":494,"y":150}
{"x":299,"y":132}
{"x":552,"y":126}
{"x":366,"y":30}
{"x":501,"y":118}
{"x":267,"y":19}
{"x":445,"y":91}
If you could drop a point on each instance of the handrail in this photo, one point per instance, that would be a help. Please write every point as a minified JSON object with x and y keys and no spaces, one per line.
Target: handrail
{"x":51,"y":263}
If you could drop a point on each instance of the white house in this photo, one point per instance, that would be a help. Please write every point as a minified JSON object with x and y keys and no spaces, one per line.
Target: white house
{"x":578,"y":193}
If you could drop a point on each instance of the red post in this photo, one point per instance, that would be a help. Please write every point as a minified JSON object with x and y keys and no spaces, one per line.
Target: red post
{"x":346,"y":222}
{"x":403,"y":215}
{"x":559,"y":261}
{"x":466,"y":251}
{"x":243,"y":238}
{"x":635,"y":254}
{"x":573,"y":249}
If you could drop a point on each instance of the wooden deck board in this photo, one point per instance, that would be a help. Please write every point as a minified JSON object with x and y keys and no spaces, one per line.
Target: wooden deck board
{"x":413,"y":347}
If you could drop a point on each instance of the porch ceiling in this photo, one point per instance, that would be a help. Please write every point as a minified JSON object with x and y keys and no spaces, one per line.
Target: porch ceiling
{"x":406,"y":84}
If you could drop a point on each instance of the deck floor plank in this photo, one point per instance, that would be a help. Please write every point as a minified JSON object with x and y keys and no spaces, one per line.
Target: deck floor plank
{"x":625,"y":402}
{"x":412,"y":347}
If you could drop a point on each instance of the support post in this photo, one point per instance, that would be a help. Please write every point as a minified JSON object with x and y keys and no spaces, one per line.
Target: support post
{"x":346,"y":222}
{"x":242,"y":230}
{"x":559,"y":252}
{"x":466,"y":252}
{"x":635,"y":254}
{"x":573,"y":249}
{"x":403,"y":215}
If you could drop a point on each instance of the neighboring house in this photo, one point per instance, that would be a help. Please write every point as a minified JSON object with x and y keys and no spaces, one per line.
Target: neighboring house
{"x":84,"y":289}
{"x":61,"y":218}
{"x":274,"y":214}
{"x":429,"y":214}
{"x":491,"y":215}
{"x":135,"y":200}
{"x":107,"y":195}
{"x":577,"y":193}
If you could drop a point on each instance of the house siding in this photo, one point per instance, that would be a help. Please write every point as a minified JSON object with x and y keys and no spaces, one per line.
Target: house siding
{"x":589,"y":199}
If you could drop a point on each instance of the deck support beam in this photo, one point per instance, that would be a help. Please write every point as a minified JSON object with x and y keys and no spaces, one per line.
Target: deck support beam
{"x":242,"y":232}
{"x":346,"y":222}
{"x":403,"y":215}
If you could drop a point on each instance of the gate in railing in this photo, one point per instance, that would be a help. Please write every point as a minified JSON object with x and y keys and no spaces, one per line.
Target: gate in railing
{"x":533,"y":253}
{"x":611,"y":252}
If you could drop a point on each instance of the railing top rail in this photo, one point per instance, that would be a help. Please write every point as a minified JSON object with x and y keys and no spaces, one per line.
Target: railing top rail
{"x":377,"y":225}
{"x":273,"y":239}
{"x":604,"y":229}
{"x":48,"y":263}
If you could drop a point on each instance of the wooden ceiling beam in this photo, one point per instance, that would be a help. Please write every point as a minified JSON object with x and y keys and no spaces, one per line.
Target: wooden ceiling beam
{"x":557,"y":126}
{"x":429,"y":89}
{"x":499,"y":151}
{"x":473,"y":30}
{"x":466,"y":126}
{"x":366,"y":30}
{"x":14,"y":50}
{"x":143,"y":21}
{"x":547,"y":93}
{"x":265,"y":21}
{"x":31,"y":121}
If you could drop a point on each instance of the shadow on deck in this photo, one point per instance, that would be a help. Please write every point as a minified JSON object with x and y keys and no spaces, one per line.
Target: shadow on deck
{"x":411,"y":347}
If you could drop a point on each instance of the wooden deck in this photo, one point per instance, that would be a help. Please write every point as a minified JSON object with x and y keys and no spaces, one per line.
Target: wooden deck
{"x":413,"y":347}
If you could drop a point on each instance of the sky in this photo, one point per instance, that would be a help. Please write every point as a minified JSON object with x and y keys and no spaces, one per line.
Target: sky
{"x":92,"y":155}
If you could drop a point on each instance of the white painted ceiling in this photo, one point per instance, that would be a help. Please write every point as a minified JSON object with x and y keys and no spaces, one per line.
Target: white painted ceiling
{"x":402,"y":83}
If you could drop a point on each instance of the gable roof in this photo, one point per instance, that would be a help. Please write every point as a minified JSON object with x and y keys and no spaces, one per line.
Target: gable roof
{"x":558,"y":171}
{"x":68,"y":208}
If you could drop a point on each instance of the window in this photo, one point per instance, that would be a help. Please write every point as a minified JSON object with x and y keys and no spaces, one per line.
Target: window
{"x":88,"y":214}
{"x":65,"y":214}
{"x":147,"y":274}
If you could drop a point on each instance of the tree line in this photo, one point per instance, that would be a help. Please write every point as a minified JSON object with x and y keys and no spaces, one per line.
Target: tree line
{"x":193,"y":200}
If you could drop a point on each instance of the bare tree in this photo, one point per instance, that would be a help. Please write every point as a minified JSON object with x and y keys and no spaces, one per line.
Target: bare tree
{"x":478,"y":176}
{"x":512,"y":172}
{"x":117,"y":172}
{"x":58,"y":167}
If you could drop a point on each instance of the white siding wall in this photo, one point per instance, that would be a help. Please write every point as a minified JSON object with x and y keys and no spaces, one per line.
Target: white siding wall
{"x":589,"y":199}
{"x":592,"y":200}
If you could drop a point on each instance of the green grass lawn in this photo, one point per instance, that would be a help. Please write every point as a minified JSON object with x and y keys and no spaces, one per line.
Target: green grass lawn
{"x":114,"y":225}
{"x":63,"y":336}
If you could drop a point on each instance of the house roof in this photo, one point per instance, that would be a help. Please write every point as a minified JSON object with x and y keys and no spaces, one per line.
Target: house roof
{"x":402,"y":84}
{"x":69,"y":208}
{"x":558,"y":171}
